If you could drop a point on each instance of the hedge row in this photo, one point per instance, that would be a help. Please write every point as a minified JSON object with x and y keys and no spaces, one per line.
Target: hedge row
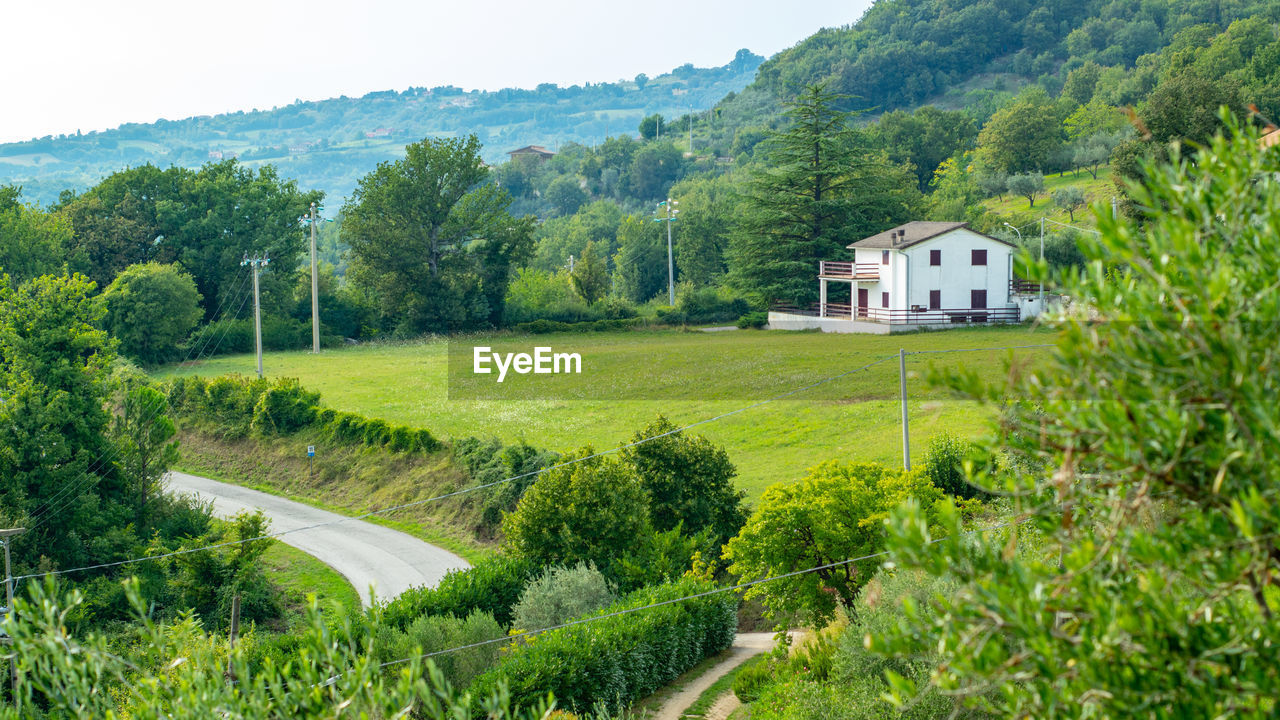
{"x":541,"y":327}
{"x":618,"y":660}
{"x":241,"y":405}
{"x":222,"y":337}
{"x":493,"y":586}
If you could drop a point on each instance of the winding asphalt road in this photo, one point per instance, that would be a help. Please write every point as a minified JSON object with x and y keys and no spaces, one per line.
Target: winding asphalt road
{"x":366,"y":554}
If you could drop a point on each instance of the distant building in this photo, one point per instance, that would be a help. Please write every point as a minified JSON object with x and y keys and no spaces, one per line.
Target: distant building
{"x":536,"y":151}
{"x":380,"y":133}
{"x":921,"y":274}
{"x":1270,"y":139}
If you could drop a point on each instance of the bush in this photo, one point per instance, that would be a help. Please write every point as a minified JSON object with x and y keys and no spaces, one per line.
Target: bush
{"x":492,"y":586}
{"x":285,"y":408}
{"x":752,"y":679}
{"x":944,"y":465}
{"x":705,"y":305}
{"x":753,"y":320}
{"x":617,"y":660}
{"x":561,"y":594}
{"x":151,"y":308}
{"x":222,"y":337}
{"x":432,"y":633}
{"x":489,"y":462}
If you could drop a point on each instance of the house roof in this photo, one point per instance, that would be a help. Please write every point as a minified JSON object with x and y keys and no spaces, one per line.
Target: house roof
{"x":1270,"y":138}
{"x":914,"y":233}
{"x":532,"y":150}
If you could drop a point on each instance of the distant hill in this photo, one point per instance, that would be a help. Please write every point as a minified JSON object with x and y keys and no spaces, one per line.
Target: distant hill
{"x":330,"y":144}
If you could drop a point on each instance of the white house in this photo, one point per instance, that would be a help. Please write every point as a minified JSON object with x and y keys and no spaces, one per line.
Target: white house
{"x":922,"y":274}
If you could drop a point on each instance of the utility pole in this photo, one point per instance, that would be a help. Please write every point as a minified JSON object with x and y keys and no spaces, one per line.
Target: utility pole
{"x":690,"y":130}
{"x":671,"y":268}
{"x":315,"y":288}
{"x":255,"y":265}
{"x":235,"y":633}
{"x":6,"y":538}
{"x":902,"y":391}
{"x":1041,"y":308}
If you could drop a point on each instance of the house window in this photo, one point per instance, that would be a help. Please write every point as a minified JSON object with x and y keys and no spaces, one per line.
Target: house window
{"x":935,"y":299}
{"x":884,"y":257}
{"x":977,"y":298}
{"x":935,"y":258}
{"x":884,"y":299}
{"x":979,"y":257}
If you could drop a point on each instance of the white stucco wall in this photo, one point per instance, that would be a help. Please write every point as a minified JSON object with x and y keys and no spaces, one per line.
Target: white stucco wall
{"x":908,"y":277}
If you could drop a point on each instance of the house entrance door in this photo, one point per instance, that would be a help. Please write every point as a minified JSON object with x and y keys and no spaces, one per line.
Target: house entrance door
{"x":862,"y":302}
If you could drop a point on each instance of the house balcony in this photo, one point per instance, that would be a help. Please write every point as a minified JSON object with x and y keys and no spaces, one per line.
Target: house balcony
{"x":832,"y":270}
{"x":1024,"y":287}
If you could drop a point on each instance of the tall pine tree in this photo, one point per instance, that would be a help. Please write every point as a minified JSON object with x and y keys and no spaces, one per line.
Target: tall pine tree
{"x":820,"y":188}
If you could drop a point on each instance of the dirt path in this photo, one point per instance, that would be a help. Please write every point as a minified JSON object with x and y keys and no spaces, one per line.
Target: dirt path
{"x":745,"y":647}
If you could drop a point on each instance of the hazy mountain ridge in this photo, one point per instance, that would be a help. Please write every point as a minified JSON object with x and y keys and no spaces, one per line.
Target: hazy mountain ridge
{"x":330,"y":144}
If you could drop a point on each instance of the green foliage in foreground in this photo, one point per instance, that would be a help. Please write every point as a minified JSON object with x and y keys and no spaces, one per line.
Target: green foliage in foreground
{"x":1155,"y":592}
{"x":618,"y":660}
{"x":175,"y":671}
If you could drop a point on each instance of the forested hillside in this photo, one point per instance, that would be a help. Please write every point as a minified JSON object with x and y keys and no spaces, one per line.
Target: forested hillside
{"x":329,"y":144}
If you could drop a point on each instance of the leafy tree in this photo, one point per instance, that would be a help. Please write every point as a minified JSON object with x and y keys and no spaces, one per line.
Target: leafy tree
{"x":144,"y":433}
{"x":32,"y":242}
{"x":818,"y":191}
{"x":707,"y":211}
{"x":689,"y":481}
{"x":1097,"y":117}
{"x":943,"y":465}
{"x":151,"y":309}
{"x":565,"y":194}
{"x":1185,"y":108}
{"x":1022,"y":136}
{"x":651,"y":126}
{"x":1148,"y":546}
{"x":1028,"y":185}
{"x":955,"y":189}
{"x":590,"y":276}
{"x":654,"y":167}
{"x":923,"y":138}
{"x":53,"y":422}
{"x":1070,"y":199}
{"x":431,"y":242}
{"x":591,"y":511}
{"x":642,"y":259}
{"x":835,"y":513}
{"x":1092,"y":154}
{"x":1081,"y":82}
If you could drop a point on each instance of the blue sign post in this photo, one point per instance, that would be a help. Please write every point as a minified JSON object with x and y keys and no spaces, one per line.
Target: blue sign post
{"x":311,"y":460}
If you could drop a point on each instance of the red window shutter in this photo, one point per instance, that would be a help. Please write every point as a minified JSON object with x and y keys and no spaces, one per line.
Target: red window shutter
{"x":977,"y":298}
{"x":935,"y":299}
{"x":884,"y":257}
{"x":935,"y":258}
{"x":884,"y":299}
{"x":979,"y":257}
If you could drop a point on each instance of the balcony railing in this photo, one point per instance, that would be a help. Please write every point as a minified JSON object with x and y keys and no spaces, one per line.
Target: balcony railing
{"x":917,"y":316}
{"x":1024,"y":287}
{"x":848,"y":270}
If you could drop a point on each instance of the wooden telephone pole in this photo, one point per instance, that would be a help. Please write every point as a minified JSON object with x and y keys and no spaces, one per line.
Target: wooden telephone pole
{"x":5,"y":539}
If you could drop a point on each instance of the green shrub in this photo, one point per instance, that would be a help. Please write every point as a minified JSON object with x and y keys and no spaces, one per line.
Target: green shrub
{"x":944,"y":466}
{"x":618,"y":660}
{"x":752,"y":679}
{"x":376,"y":432}
{"x":492,"y":586}
{"x":488,"y":461}
{"x":400,"y":439}
{"x":561,"y":594}
{"x":424,"y":441}
{"x":708,"y":304}
{"x":151,"y":308}
{"x":223,"y":337}
{"x":432,"y":633}
{"x":285,"y":408}
{"x":753,"y":320}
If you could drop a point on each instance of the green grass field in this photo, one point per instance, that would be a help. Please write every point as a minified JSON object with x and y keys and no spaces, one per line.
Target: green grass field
{"x":630,"y":377}
{"x":299,"y":574}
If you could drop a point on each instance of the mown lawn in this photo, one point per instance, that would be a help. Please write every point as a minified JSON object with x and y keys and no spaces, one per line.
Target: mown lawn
{"x":629,"y":378}
{"x":299,"y":574}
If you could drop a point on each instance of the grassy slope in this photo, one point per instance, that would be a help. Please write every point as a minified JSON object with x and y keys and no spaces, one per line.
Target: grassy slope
{"x":299,"y":574}
{"x":630,"y":377}
{"x":1100,"y":190}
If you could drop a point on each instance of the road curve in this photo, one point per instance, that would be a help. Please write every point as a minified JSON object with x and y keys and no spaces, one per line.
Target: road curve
{"x":366,"y":554}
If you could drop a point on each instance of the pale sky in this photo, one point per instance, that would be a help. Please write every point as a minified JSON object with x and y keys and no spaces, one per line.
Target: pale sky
{"x":94,"y":64}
